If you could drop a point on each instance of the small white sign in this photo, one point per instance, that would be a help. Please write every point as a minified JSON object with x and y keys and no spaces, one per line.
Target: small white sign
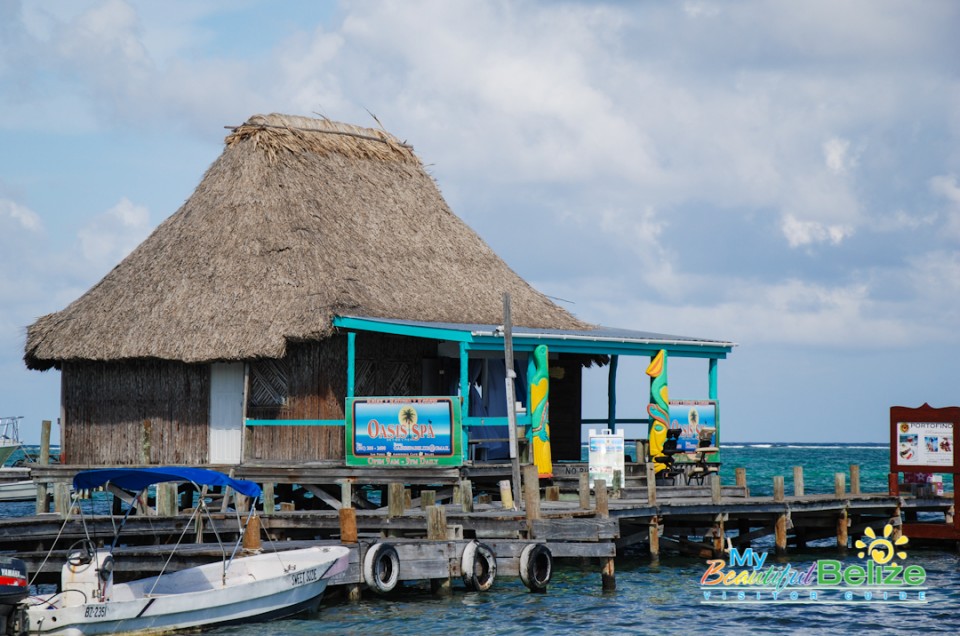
{"x":606,"y":455}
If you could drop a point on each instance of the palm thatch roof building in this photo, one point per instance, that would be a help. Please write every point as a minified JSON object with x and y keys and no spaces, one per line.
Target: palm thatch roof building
{"x":229,"y":308}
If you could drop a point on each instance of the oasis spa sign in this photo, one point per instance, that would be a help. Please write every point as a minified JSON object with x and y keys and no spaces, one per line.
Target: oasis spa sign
{"x":404,"y":431}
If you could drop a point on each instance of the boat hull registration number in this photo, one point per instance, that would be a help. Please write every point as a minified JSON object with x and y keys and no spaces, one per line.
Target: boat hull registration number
{"x":302,"y":578}
{"x":95,"y":611}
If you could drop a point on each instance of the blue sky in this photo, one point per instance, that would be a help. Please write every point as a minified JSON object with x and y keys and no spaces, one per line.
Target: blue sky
{"x":783,"y":175}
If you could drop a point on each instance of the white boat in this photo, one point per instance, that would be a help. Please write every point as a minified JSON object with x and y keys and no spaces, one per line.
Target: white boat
{"x":235,"y":590}
{"x":9,"y":437}
{"x":19,"y":490}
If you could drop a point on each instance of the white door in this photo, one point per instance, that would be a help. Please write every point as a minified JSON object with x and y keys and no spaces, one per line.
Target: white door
{"x":226,"y":413}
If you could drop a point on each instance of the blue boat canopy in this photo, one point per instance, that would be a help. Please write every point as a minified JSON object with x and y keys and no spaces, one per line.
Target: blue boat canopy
{"x":139,"y":478}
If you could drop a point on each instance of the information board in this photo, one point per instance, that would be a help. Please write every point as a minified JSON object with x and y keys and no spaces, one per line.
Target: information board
{"x":404,"y":431}
{"x":925,"y":444}
{"x":691,"y":416}
{"x":606,"y":455}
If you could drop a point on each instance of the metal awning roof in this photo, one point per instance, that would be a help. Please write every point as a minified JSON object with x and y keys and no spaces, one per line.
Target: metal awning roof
{"x":599,"y":341}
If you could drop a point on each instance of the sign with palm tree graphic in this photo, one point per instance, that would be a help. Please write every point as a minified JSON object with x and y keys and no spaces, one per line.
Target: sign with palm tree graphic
{"x":404,"y":431}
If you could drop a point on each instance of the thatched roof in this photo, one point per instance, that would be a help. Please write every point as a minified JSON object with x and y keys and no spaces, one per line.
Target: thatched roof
{"x":297,"y":221}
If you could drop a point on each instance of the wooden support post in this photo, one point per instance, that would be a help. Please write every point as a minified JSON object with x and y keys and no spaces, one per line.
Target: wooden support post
{"x":466,"y":495}
{"x":485,"y":498}
{"x":780,"y":533}
{"x":43,"y":505}
{"x":436,"y":523}
{"x":61,"y":498}
{"x":584,"y":489}
{"x":506,"y":495}
{"x":407,"y":499}
{"x":346,"y":494}
{"x":798,"y":488}
{"x":716,"y":490}
{"x":287,"y":506}
{"x":842,"y":527}
{"x":269,"y":499}
{"x":553,"y":493}
{"x":740,"y":475}
{"x":428,"y":498}
{"x":603,"y":506}
{"x":457,"y":498}
{"x":839,"y":485}
{"x":617,"y":483}
{"x":251,"y":535}
{"x":651,"y":485}
{"x":167,"y":499}
{"x":608,"y":575}
{"x":854,"y":479}
{"x":719,"y":537}
{"x":778,"y":488}
{"x":531,"y":493}
{"x":348,"y":525}
{"x":396,"y":501}
{"x":654,"y":534}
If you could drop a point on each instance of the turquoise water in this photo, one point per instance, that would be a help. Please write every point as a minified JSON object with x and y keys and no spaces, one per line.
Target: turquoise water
{"x":662,"y":598}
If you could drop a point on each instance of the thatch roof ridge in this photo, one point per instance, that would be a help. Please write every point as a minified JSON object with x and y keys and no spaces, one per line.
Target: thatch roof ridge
{"x":298,"y":220}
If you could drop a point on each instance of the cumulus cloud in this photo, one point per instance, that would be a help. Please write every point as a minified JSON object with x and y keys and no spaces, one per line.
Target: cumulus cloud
{"x":836,"y":155}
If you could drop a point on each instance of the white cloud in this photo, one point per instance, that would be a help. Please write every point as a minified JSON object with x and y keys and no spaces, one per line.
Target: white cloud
{"x":109,"y":237}
{"x":801,"y":233}
{"x":23,"y":216}
{"x":946,"y":187}
{"x":835,"y":154}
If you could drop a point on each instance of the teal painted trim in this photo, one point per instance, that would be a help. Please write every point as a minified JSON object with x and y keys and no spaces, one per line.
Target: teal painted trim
{"x":296,"y":423}
{"x":612,"y":393}
{"x":712,"y":379}
{"x":522,"y":420}
{"x":464,"y":379}
{"x":588,"y":347}
{"x":415,"y":331}
{"x":351,"y":362}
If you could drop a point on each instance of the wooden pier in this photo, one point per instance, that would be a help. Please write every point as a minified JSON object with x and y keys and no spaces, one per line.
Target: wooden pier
{"x":430,"y":516}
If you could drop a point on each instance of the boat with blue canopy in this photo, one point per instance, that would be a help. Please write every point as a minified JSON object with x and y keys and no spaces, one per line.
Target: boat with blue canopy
{"x":238,"y":589}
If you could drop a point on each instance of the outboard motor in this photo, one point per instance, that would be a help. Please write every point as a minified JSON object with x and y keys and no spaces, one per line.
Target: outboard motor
{"x":13,"y":590}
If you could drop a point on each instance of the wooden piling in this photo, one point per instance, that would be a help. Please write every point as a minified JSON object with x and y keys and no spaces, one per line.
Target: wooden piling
{"x":428,"y":498}
{"x":798,"y":488}
{"x":839,"y":485}
{"x":407,"y":499}
{"x":654,"y":534}
{"x":531,"y":493}
{"x":842,"y":527}
{"x":854,"y":479}
{"x":553,"y":493}
{"x":466,"y":495}
{"x":346,"y":493}
{"x":43,"y":504}
{"x":61,"y":498}
{"x":506,"y":495}
{"x":584,"y":491}
{"x":269,"y":499}
{"x":436,"y":523}
{"x":166,"y":499}
{"x":348,"y":525}
{"x":780,"y":533}
{"x":651,"y":484}
{"x":719,"y":536}
{"x":716,"y":491}
{"x":617,"y":483}
{"x":608,"y":576}
{"x":603,"y":505}
{"x":740,"y":474}
{"x":778,"y":494}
